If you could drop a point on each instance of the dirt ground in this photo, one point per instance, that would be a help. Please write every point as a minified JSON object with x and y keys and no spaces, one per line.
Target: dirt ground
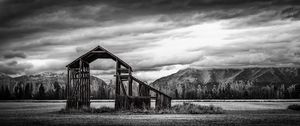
{"x":237,"y":113}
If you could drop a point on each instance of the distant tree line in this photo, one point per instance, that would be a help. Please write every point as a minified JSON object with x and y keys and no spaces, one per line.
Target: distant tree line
{"x":233,"y":90}
{"x":238,"y":90}
{"x":25,"y":91}
{"x":55,"y":92}
{"x":104,"y":92}
{"x":101,"y":93}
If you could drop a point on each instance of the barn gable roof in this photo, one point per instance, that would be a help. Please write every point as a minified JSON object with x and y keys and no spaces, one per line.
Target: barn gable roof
{"x":97,"y":53}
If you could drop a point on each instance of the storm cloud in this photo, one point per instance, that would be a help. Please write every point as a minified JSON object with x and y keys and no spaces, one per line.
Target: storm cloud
{"x":9,"y":55}
{"x":13,"y":67}
{"x":156,"y":37}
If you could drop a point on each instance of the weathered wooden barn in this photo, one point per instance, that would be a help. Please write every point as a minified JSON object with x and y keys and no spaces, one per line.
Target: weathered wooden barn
{"x":78,"y":84}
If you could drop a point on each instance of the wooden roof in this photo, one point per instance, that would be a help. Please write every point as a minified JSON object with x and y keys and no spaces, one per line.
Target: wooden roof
{"x":97,"y":53}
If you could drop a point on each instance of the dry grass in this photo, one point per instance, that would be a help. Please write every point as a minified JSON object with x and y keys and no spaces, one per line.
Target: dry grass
{"x":88,"y":110}
{"x":185,"y":108}
{"x":189,"y":108}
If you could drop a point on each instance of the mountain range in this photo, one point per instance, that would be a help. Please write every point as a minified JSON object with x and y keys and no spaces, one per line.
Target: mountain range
{"x":190,"y":83}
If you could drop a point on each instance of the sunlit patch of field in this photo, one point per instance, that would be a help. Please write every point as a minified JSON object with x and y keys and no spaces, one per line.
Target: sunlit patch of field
{"x":237,"y":113}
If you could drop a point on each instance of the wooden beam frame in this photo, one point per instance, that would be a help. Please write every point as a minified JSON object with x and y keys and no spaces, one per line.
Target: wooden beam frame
{"x":129,"y":83}
{"x":78,"y":83}
{"x":118,"y":66}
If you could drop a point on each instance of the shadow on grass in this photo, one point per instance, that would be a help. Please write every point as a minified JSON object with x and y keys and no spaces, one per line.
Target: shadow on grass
{"x":294,"y":107}
{"x":185,"y":108}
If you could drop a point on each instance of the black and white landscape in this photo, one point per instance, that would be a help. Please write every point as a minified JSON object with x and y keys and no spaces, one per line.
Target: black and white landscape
{"x":223,"y":62}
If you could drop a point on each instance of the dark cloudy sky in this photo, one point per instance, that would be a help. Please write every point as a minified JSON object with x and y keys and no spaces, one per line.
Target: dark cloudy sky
{"x":156,"y":37}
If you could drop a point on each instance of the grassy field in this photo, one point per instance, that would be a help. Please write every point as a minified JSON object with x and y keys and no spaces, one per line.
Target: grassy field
{"x":237,"y":113}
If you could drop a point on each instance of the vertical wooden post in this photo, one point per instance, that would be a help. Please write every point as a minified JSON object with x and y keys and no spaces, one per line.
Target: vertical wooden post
{"x":158,"y":101}
{"x":118,"y":66}
{"x":79,"y":102}
{"x":83,"y":85}
{"x":118,"y":101}
{"x":89,"y":86}
{"x":68,"y":82}
{"x":129,"y":83}
{"x":140,"y":90}
{"x":67,"y":87}
{"x":86,"y":85}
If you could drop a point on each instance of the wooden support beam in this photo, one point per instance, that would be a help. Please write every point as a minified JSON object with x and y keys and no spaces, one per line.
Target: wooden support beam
{"x":68,"y":84}
{"x":99,"y":52}
{"x":139,"y":90}
{"x":151,"y":88}
{"x":122,"y":77}
{"x":124,"y":70}
{"x":123,"y":87}
{"x":88,"y":86}
{"x":118,"y":66}
{"x":79,"y":93}
{"x":129,"y":84}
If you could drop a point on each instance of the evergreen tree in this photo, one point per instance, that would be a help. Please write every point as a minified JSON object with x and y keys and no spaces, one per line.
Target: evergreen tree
{"x":28,"y":91}
{"x":246,"y":94}
{"x":41,"y":93}
{"x":57,"y":90}
{"x":215,"y":92}
{"x":50,"y":94}
{"x":7,"y":93}
{"x":19,"y":91}
{"x":63,"y":95}
{"x":2,"y":92}
{"x":183,"y":91}
{"x":176,"y":94}
{"x":101,"y":93}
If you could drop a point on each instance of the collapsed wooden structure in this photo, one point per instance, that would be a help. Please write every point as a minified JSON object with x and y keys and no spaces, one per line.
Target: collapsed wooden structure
{"x":78,"y":84}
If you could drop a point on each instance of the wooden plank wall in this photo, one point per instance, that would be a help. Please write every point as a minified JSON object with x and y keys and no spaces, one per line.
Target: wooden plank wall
{"x":78,"y":86}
